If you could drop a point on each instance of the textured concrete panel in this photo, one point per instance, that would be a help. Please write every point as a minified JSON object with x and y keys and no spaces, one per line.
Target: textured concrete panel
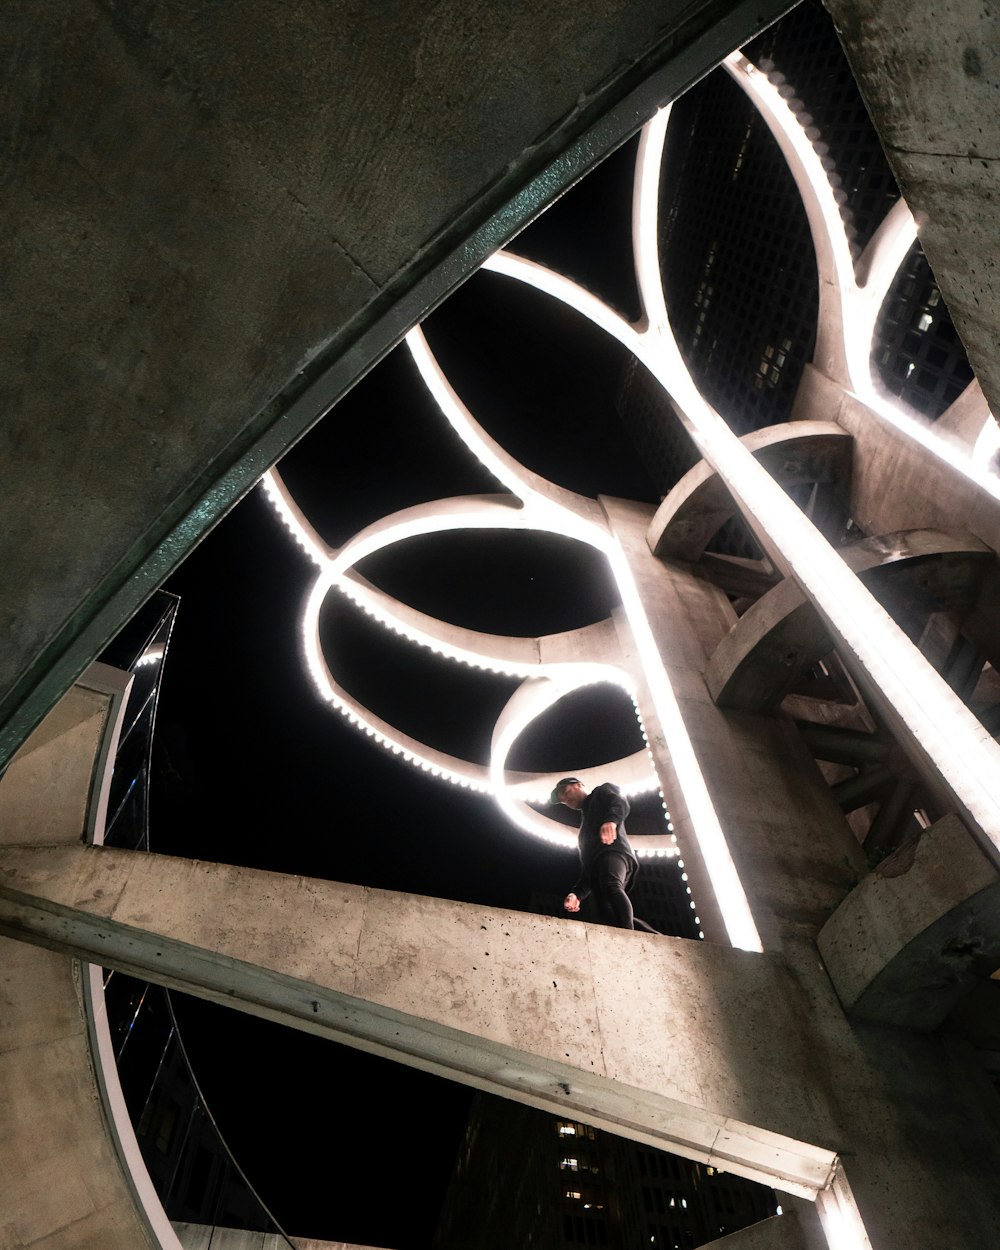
{"x":61,"y":1186}
{"x":919,"y":932}
{"x":795,"y":854}
{"x":895,"y":485}
{"x":780,"y":1232}
{"x":529,"y":1006}
{"x":46,"y":788}
{"x":930,"y":72}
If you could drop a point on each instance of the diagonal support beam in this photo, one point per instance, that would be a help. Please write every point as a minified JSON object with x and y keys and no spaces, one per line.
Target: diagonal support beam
{"x":631,"y":1033}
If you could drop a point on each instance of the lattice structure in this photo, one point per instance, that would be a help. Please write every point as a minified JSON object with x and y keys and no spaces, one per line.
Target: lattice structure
{"x":918,"y":354}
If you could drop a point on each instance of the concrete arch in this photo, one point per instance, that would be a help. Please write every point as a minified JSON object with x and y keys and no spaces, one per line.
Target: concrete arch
{"x":765,"y":653}
{"x":699,"y":505}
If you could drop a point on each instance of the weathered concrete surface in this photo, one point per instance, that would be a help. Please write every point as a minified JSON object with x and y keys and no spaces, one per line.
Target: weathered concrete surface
{"x":919,"y":932}
{"x":61,"y":1183}
{"x":450,"y":987}
{"x":930,"y":74}
{"x":966,"y":417}
{"x":780,"y":1232}
{"x":794,"y":453}
{"x":723,"y":1055}
{"x":213,"y":228}
{"x":896,"y":485}
{"x":912,"y":574}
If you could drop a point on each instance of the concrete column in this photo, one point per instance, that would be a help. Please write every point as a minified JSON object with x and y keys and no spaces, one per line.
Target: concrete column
{"x":930,"y":73}
{"x":794,"y":852}
{"x":62,"y":1182}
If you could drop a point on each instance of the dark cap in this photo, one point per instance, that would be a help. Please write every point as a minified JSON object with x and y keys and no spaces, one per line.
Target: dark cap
{"x":564,"y":781}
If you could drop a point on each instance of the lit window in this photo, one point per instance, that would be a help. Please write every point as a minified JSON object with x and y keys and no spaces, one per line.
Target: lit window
{"x":573,"y":1193}
{"x":565,"y":1129}
{"x":570,"y":1165}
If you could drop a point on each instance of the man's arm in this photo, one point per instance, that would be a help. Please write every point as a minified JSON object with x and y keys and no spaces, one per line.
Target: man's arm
{"x":577,"y":895}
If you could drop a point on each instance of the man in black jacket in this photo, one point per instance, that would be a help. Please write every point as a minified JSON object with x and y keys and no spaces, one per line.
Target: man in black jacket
{"x":607,"y":862}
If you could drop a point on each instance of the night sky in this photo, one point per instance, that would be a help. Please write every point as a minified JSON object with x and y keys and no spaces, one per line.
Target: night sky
{"x":254,"y":769}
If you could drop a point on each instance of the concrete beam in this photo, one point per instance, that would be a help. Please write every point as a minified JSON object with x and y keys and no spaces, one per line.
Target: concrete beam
{"x":895,"y":484}
{"x":911,"y":574}
{"x":451,"y":988}
{"x":918,"y":933}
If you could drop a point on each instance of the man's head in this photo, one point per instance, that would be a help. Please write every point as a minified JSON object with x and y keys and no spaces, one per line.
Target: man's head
{"x":570,"y":792}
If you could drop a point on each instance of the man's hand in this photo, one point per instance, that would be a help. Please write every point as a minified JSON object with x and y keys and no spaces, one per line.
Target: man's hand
{"x":609,"y":832}
{"x":571,"y":903}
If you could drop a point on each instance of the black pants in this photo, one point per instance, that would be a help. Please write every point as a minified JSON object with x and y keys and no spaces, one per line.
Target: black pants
{"x":611,"y":878}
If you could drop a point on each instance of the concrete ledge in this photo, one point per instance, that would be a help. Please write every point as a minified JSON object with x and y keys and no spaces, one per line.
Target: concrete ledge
{"x":917,"y":933}
{"x":780,"y":1232}
{"x":640,"y":1035}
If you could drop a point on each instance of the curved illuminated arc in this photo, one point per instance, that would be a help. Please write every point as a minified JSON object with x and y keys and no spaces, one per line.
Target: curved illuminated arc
{"x":645,"y":219}
{"x":466,"y":512}
{"x":529,"y":701}
{"x":567,"y":292}
{"x":571,"y":674}
{"x":335,"y":573}
{"x":550,"y":507}
{"x":437,"y":763}
{"x":516,"y":656}
{"x":291,"y":516}
{"x":836,"y":335}
{"x":849,"y":310}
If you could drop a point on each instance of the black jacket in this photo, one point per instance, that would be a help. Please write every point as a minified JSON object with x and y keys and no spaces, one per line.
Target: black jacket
{"x":605,"y":803}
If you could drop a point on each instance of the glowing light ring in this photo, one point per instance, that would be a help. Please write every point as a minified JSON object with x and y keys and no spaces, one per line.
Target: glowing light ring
{"x":287,"y":511}
{"x":335,"y":572}
{"x":634,"y":775}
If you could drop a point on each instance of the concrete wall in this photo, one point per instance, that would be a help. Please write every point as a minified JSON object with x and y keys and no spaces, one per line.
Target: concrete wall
{"x":62,"y":1186}
{"x":208,"y":1237}
{"x":745,"y":1061}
